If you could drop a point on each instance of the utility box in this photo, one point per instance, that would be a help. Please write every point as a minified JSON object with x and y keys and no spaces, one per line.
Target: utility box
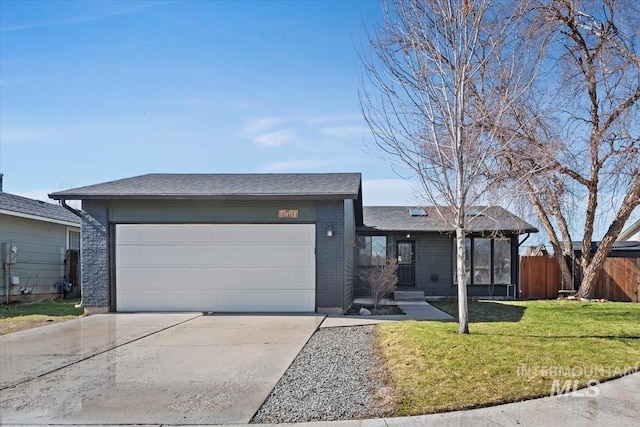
{"x":9,"y":253}
{"x":15,"y":280}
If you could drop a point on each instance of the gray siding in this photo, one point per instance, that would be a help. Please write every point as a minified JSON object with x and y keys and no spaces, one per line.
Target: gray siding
{"x":41,"y":252}
{"x":330,"y":257}
{"x":334,"y":255}
{"x":434,"y":257}
{"x":207,"y":211}
{"x":349,"y":253}
{"x":95,"y":254}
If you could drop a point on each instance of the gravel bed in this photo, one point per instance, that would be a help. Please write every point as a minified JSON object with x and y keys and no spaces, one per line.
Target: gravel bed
{"x":336,"y":376}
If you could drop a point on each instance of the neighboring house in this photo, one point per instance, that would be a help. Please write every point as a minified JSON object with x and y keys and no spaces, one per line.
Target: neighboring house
{"x":632,"y":233}
{"x":620,"y":249}
{"x":536,"y":250}
{"x":425,"y":248}
{"x":261,"y":243}
{"x":35,"y":237}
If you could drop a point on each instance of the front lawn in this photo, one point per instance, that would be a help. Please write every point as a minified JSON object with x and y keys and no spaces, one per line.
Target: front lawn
{"x":516,"y":350}
{"x":18,"y":317}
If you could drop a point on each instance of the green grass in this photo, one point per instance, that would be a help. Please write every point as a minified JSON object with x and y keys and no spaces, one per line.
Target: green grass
{"x":515,"y":351}
{"x":17,"y":317}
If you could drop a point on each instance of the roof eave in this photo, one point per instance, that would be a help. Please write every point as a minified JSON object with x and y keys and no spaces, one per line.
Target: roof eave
{"x":40,"y":218}
{"x":333,"y":196}
{"x":368,"y":228}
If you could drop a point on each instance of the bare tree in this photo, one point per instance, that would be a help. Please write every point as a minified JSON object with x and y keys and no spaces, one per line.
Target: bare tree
{"x":587,"y":131}
{"x":441,"y":71}
{"x":380,"y":278}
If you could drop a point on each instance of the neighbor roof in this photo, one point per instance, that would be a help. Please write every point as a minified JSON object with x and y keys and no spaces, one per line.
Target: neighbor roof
{"x":10,"y":204}
{"x":619,"y":249}
{"x":295,"y":186}
{"x":630,"y":231}
{"x":399,"y":218}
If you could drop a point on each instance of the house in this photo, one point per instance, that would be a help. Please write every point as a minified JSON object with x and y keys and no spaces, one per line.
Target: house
{"x":35,"y":237}
{"x":425,"y":248}
{"x":632,"y":233}
{"x":620,"y":249}
{"x":262,"y":243}
{"x":536,"y":250}
{"x":219,"y":242}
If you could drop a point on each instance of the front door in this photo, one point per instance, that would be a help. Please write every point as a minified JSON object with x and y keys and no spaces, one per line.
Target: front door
{"x":405,"y":251}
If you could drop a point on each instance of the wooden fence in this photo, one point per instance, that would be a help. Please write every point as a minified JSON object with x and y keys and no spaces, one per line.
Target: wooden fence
{"x":540,"y":277}
{"x":619,"y":281}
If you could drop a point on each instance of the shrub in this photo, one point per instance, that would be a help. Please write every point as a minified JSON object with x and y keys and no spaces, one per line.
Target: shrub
{"x":381,"y":279}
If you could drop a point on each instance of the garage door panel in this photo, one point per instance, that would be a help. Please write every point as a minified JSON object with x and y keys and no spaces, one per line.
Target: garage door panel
{"x":200,"y":279}
{"x":215,"y":267}
{"x":225,"y":301}
{"x":293,"y":278}
{"x":214,"y":256}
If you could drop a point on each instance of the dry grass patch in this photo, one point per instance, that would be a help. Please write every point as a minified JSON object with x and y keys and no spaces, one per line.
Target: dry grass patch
{"x":516,"y":350}
{"x":18,"y":317}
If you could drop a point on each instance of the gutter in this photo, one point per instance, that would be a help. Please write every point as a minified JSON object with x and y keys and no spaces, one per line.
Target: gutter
{"x":78,"y":214}
{"x":70,"y":209}
{"x":525,"y":239}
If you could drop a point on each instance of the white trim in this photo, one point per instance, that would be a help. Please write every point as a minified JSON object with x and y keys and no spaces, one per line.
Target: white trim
{"x":39,"y":218}
{"x":626,"y":234}
{"x":76,"y":230}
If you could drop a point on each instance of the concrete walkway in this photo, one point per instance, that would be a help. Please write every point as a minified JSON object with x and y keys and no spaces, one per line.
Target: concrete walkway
{"x":413,"y":310}
{"x":29,"y":354}
{"x":616,"y":404}
{"x":87,"y":351}
{"x":148,"y":368}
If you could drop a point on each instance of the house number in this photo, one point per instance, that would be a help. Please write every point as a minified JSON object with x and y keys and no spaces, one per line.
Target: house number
{"x":288,"y":213}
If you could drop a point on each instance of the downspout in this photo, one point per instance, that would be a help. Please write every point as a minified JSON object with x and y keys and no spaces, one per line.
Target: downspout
{"x":78,"y":214}
{"x":525,"y":239}
{"x":74,"y":211}
{"x":517,"y":264}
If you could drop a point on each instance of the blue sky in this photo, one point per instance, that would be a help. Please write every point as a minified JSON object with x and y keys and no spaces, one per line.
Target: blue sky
{"x":95,"y":91}
{"x":92,"y":91}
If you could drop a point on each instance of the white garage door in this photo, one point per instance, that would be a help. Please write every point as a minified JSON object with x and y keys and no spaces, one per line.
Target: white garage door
{"x":205,"y":267}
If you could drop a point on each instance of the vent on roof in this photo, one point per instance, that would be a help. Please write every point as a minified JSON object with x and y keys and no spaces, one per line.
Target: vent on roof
{"x":475,"y":212}
{"x":418,"y":212}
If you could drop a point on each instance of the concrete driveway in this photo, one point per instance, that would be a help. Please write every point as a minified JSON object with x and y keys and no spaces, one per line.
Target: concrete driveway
{"x":148,"y":368}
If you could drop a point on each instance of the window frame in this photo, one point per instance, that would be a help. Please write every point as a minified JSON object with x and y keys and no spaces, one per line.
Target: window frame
{"x":363,"y":245}
{"x":470,"y":261}
{"x":73,"y":230}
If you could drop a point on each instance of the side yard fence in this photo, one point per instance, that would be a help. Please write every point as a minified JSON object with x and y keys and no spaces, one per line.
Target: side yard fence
{"x":619,"y":281}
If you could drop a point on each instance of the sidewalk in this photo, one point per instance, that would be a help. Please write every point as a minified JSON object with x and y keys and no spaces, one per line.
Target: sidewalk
{"x":617,"y":404}
{"x":413,"y":310}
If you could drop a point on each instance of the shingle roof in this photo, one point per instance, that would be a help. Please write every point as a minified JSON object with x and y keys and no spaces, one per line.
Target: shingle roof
{"x":617,"y":246}
{"x":298,"y":186}
{"x":37,"y":208}
{"x":398,"y":218}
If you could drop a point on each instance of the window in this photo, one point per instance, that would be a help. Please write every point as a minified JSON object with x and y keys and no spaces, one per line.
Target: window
{"x":418,"y":212}
{"x":73,"y":240}
{"x":502,"y":261}
{"x":481,"y":261}
{"x":488,"y":261}
{"x":467,"y":260}
{"x":372,"y":250}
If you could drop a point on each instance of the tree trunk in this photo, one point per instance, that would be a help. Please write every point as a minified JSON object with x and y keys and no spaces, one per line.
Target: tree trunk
{"x":558,"y":252}
{"x":461,"y":274}
{"x":593,"y":269}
